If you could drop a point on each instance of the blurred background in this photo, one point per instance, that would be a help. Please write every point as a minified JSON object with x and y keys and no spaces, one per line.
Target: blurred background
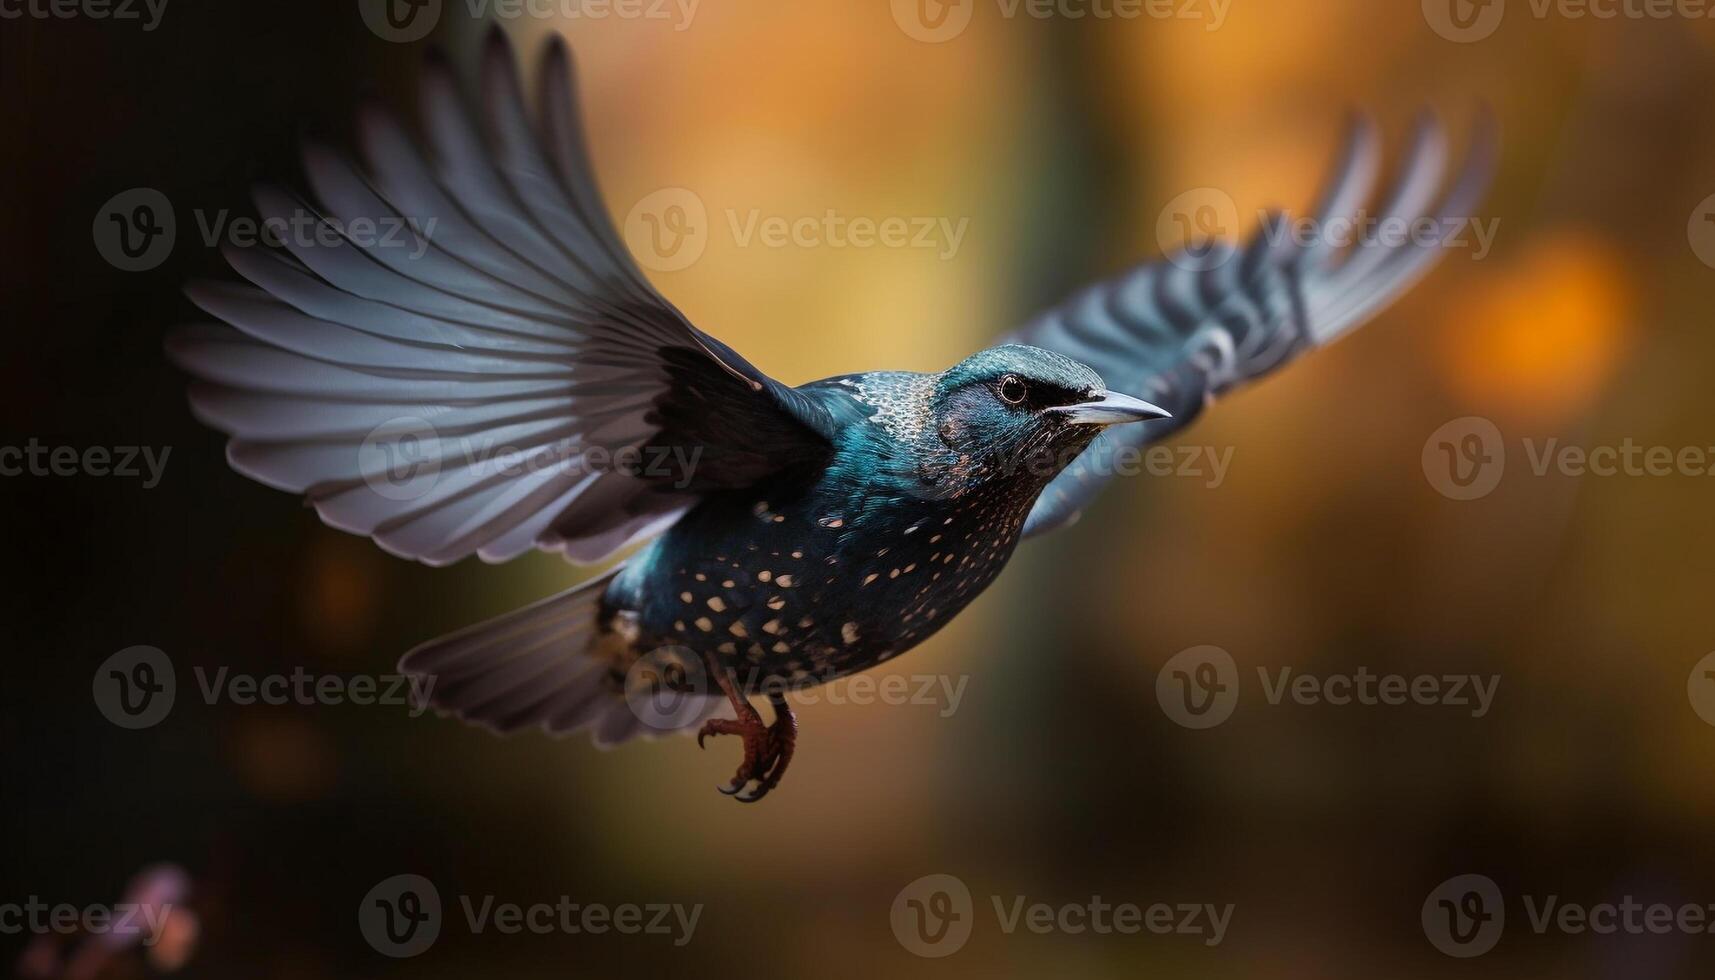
{"x":1058,"y":141}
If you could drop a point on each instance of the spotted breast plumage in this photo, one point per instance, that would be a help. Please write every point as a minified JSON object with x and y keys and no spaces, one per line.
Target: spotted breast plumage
{"x":507,"y":379}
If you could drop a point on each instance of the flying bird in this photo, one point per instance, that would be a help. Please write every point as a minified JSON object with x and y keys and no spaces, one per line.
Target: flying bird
{"x":510,"y":380}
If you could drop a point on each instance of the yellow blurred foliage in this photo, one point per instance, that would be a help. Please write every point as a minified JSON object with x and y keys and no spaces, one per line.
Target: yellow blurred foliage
{"x":1539,"y":337}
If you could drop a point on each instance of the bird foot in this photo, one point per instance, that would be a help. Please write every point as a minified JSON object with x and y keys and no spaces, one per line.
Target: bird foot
{"x":767,"y":748}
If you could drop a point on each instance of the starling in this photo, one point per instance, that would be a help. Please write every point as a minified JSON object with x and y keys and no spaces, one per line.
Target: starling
{"x":503,"y":377}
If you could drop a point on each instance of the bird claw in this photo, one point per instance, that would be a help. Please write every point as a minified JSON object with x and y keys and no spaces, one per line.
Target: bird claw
{"x":767,"y":750}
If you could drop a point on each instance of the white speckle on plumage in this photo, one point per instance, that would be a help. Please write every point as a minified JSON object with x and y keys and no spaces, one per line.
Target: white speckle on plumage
{"x":765,"y":576}
{"x":849,"y":633}
{"x":870,"y":578}
{"x":686,"y":597}
{"x":784,"y":581}
{"x":737,"y":629}
{"x":717,"y":603}
{"x":777,"y":602}
{"x":705,"y":624}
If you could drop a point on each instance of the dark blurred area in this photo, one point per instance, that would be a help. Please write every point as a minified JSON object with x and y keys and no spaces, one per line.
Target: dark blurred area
{"x":1057,"y":775}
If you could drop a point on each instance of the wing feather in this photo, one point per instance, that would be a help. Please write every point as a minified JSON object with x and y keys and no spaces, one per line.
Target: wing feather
{"x":448,"y":334}
{"x":1182,"y":331}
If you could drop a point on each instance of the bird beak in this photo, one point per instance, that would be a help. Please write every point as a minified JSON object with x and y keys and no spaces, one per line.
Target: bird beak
{"x":1111,"y":408}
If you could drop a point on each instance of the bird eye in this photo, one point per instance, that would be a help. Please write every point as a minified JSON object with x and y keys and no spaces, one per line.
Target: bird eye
{"x":1012,"y":390}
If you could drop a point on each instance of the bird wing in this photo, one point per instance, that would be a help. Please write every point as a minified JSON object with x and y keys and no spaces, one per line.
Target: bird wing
{"x":1183,"y":330}
{"x":459,"y":356}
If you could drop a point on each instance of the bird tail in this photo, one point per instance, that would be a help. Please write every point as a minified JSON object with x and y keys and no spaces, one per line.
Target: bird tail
{"x":557,"y":665}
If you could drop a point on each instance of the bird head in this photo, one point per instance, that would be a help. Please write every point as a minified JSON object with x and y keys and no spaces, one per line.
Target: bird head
{"x":1014,"y":410}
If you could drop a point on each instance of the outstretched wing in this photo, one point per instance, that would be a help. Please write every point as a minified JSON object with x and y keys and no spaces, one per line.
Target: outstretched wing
{"x":1180,"y":331}
{"x":453,"y":353}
